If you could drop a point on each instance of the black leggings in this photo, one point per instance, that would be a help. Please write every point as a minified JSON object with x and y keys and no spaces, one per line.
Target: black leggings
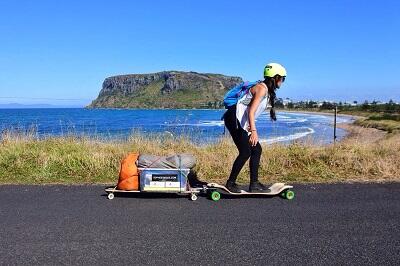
{"x":246,"y":151}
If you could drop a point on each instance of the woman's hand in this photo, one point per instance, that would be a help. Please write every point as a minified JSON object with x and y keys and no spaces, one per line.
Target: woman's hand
{"x":253,"y":138}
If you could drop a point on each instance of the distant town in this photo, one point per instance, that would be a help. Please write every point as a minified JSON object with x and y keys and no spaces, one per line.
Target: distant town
{"x":373,"y":106}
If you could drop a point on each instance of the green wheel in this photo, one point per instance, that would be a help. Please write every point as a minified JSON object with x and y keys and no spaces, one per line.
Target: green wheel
{"x":215,"y":196}
{"x":289,"y":194}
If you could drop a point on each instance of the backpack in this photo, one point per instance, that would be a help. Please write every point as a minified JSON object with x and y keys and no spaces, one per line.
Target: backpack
{"x":236,"y":93}
{"x":129,"y":173}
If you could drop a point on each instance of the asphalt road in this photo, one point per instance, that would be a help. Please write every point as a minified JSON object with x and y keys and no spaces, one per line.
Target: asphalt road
{"x":341,"y":224}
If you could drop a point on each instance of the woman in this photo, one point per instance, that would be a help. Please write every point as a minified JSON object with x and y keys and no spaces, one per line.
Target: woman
{"x":240,"y":121}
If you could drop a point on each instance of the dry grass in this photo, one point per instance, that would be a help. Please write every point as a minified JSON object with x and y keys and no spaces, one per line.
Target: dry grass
{"x":27,"y":159}
{"x":383,"y":124}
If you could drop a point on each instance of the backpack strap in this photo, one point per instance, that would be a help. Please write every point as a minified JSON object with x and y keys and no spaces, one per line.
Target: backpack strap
{"x":247,"y":86}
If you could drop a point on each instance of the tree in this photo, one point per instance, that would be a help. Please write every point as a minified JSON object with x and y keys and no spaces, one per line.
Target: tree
{"x":391,"y":106}
{"x":279,"y":103}
{"x":365,"y":106}
{"x":327,"y":105}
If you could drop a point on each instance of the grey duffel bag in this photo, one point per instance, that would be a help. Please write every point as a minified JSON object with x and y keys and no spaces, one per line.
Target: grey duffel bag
{"x":183,"y":160}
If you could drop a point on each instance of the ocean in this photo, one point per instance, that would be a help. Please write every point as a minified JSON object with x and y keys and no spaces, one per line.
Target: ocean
{"x":200,"y":126}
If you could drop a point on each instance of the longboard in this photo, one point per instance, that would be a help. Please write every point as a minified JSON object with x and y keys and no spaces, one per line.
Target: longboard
{"x":111,"y":190}
{"x":276,"y":189}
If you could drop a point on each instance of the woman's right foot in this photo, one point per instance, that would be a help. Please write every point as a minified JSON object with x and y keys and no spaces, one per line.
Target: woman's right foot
{"x":233,"y":187}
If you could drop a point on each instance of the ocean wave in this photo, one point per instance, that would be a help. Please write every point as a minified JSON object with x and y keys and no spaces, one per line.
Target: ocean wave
{"x":282,"y":116}
{"x":299,"y":120}
{"x":344,"y":120}
{"x":322,"y":117}
{"x":289,"y":137}
{"x":212,"y":123}
{"x":290,"y":119}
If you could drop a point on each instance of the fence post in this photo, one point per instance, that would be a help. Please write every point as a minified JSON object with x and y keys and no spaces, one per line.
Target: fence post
{"x":334,"y":126}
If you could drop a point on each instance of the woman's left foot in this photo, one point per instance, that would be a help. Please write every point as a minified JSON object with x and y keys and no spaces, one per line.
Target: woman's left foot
{"x":197,"y":183}
{"x":258,"y":187}
{"x":194,"y":181}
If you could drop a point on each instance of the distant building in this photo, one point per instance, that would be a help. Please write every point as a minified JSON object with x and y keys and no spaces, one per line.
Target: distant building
{"x":286,"y":102}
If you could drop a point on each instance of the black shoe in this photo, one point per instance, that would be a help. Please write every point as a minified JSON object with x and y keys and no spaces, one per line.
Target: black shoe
{"x":233,"y":187}
{"x":194,"y":182}
{"x":198,"y":184}
{"x":258,"y":187}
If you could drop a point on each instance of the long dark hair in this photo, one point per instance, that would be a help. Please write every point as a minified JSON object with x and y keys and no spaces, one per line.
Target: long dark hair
{"x":271,"y":85}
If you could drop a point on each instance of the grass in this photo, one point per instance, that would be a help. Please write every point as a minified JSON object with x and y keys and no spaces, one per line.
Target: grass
{"x":27,"y":159}
{"x":386,"y":122}
{"x":386,"y":125}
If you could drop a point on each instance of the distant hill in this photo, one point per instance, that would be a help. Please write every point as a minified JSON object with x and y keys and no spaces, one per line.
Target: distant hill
{"x":168,"y":89}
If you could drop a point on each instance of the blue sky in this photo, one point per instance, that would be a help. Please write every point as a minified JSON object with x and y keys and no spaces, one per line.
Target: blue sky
{"x":334,"y":50}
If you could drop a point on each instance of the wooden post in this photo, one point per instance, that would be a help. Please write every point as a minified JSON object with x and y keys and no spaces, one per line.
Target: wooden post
{"x":334,"y":126}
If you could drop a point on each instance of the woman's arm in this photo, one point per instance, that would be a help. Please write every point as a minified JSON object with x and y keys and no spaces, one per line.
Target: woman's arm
{"x":258,"y":92}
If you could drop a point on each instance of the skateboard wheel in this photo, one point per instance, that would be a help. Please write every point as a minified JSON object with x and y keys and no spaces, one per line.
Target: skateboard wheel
{"x":289,"y":194}
{"x":110,"y":196}
{"x":193,"y":197}
{"x":215,"y":196}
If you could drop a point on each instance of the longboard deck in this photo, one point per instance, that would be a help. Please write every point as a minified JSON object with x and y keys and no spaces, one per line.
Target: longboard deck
{"x":114,"y":189}
{"x":275,"y":189}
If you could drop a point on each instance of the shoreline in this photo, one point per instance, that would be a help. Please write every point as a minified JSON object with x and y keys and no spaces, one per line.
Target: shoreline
{"x":354,"y":133}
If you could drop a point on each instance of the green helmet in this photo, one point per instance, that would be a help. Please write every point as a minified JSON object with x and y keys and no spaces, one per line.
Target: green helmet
{"x":273,"y":69}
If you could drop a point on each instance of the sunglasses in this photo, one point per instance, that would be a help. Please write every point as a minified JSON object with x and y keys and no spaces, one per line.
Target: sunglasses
{"x":282,"y":78}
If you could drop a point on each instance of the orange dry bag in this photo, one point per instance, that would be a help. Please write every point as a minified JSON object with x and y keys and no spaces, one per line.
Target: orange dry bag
{"x":129,"y":174}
